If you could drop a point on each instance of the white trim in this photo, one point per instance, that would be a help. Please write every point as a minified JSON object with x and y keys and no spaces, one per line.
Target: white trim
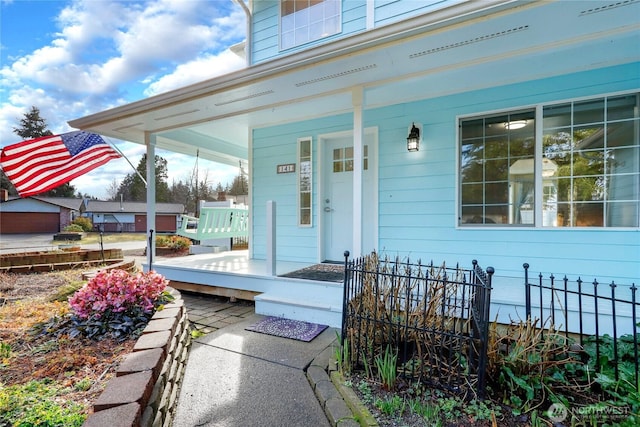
{"x":150,"y":141}
{"x":298,"y":172}
{"x":370,"y":15}
{"x":537,"y":175}
{"x":312,"y":56}
{"x":358,"y":138}
{"x":250,"y":192}
{"x":324,"y":166}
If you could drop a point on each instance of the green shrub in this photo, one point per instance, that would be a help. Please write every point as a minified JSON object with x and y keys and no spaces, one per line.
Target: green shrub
{"x":83,"y":222}
{"x":176,"y":243}
{"x":38,"y":403}
{"x":387,"y":368}
{"x":73,"y":228}
{"x":65,"y":291}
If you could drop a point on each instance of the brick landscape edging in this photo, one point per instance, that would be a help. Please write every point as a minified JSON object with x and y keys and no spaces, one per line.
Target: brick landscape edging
{"x":339,"y":402}
{"x":145,"y":389}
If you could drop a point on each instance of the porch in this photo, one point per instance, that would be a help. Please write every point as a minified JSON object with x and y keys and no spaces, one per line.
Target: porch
{"x":233,"y":274}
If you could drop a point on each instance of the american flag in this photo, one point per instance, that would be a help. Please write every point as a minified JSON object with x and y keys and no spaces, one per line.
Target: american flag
{"x":38,"y":165}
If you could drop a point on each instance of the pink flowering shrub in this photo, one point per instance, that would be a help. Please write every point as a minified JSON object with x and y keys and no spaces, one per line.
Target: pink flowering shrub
{"x":117,"y":291}
{"x":117,"y":303}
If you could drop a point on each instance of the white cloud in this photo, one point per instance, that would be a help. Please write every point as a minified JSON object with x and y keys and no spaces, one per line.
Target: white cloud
{"x":106,"y":53}
{"x":197,"y":70}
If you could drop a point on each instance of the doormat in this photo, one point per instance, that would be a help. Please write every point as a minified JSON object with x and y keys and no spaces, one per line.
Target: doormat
{"x":287,"y":328}
{"x":323,"y":272}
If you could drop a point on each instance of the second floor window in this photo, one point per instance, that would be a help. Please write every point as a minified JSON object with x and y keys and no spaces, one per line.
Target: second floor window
{"x":303,"y":21}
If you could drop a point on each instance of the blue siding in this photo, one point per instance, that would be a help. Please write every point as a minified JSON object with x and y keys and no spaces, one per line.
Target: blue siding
{"x":271,"y":147}
{"x":265,"y":30}
{"x":389,"y":11}
{"x":424,"y":184}
{"x":265,"y":26}
{"x":266,"y":36}
{"x":418,"y":195}
{"x":354,"y":16}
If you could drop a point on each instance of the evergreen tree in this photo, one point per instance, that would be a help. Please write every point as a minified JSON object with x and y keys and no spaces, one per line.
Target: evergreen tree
{"x":240,"y":186}
{"x":133,"y":189}
{"x":64,"y":190}
{"x":7,"y":185}
{"x":180,"y":192}
{"x":32,"y":125}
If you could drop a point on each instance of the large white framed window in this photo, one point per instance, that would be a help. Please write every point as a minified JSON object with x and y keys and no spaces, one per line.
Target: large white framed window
{"x":497,"y":158}
{"x":305,"y":182}
{"x":581,"y":170}
{"x":303,"y":21}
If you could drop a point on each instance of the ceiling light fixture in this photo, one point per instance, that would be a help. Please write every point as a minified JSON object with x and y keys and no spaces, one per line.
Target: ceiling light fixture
{"x":516,"y":124}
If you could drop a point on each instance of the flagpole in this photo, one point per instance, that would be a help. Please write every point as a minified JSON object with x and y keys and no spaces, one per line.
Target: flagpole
{"x":126,"y":158}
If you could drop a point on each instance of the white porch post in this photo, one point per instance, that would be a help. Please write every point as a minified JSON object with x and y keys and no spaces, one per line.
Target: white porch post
{"x":271,"y":238}
{"x":150,"y":142}
{"x":357,"y":99}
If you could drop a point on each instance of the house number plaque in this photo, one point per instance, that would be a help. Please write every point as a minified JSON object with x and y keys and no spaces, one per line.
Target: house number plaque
{"x":288,"y":168}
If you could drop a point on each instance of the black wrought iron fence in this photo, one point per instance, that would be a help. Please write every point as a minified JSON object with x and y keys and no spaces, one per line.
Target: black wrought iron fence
{"x":600,"y":317}
{"x":434,"y":319}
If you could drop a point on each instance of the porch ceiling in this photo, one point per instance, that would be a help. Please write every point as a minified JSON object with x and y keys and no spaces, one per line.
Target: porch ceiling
{"x":465,"y":47}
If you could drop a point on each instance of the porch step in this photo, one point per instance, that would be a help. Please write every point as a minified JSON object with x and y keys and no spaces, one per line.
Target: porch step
{"x":206,"y":249}
{"x":322,"y":304}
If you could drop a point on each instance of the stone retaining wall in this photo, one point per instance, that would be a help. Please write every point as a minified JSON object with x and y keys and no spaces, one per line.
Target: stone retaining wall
{"x":40,"y":262}
{"x":145,"y":389}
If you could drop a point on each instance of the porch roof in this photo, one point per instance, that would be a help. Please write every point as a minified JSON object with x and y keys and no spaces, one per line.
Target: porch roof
{"x":460,"y":48}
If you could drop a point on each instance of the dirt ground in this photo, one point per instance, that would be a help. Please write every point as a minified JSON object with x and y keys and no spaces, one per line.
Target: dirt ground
{"x":81,"y":367}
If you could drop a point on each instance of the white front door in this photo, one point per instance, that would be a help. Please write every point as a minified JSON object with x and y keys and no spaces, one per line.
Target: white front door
{"x":337,"y":196}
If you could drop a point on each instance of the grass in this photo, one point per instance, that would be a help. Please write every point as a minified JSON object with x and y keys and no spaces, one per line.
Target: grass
{"x":47,"y":380}
{"x":92,"y":237}
{"x":38,"y":403}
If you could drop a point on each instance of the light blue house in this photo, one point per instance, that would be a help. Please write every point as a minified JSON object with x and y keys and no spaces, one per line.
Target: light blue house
{"x":528,"y":150}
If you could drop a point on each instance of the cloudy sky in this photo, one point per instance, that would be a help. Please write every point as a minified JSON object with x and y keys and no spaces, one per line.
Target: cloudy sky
{"x":78,"y":57}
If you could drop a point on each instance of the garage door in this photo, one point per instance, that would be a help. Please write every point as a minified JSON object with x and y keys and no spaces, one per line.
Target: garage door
{"x":164,"y":223}
{"x":29,"y":222}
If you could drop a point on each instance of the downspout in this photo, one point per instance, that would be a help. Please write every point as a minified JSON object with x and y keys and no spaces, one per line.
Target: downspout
{"x":247,"y":44}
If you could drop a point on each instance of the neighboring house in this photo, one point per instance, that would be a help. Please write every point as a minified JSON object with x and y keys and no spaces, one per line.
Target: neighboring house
{"x":131,"y":217}
{"x":38,"y":214}
{"x":527,"y":120}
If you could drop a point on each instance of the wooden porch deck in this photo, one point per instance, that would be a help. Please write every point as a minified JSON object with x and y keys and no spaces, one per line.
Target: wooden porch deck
{"x":233,"y":274}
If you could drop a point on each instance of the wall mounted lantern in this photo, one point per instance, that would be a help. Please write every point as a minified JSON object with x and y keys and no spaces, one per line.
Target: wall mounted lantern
{"x":413,"y":140}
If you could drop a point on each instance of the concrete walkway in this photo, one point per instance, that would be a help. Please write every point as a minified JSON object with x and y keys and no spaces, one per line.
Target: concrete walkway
{"x":239,"y":378}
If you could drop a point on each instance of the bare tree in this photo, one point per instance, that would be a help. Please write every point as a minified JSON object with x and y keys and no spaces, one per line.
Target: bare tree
{"x":112,"y":190}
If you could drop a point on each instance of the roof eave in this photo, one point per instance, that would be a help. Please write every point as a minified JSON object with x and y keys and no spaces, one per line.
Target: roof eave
{"x":341,"y":47}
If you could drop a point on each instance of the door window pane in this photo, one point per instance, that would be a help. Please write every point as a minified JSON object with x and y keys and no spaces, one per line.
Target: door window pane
{"x":305,"y":182}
